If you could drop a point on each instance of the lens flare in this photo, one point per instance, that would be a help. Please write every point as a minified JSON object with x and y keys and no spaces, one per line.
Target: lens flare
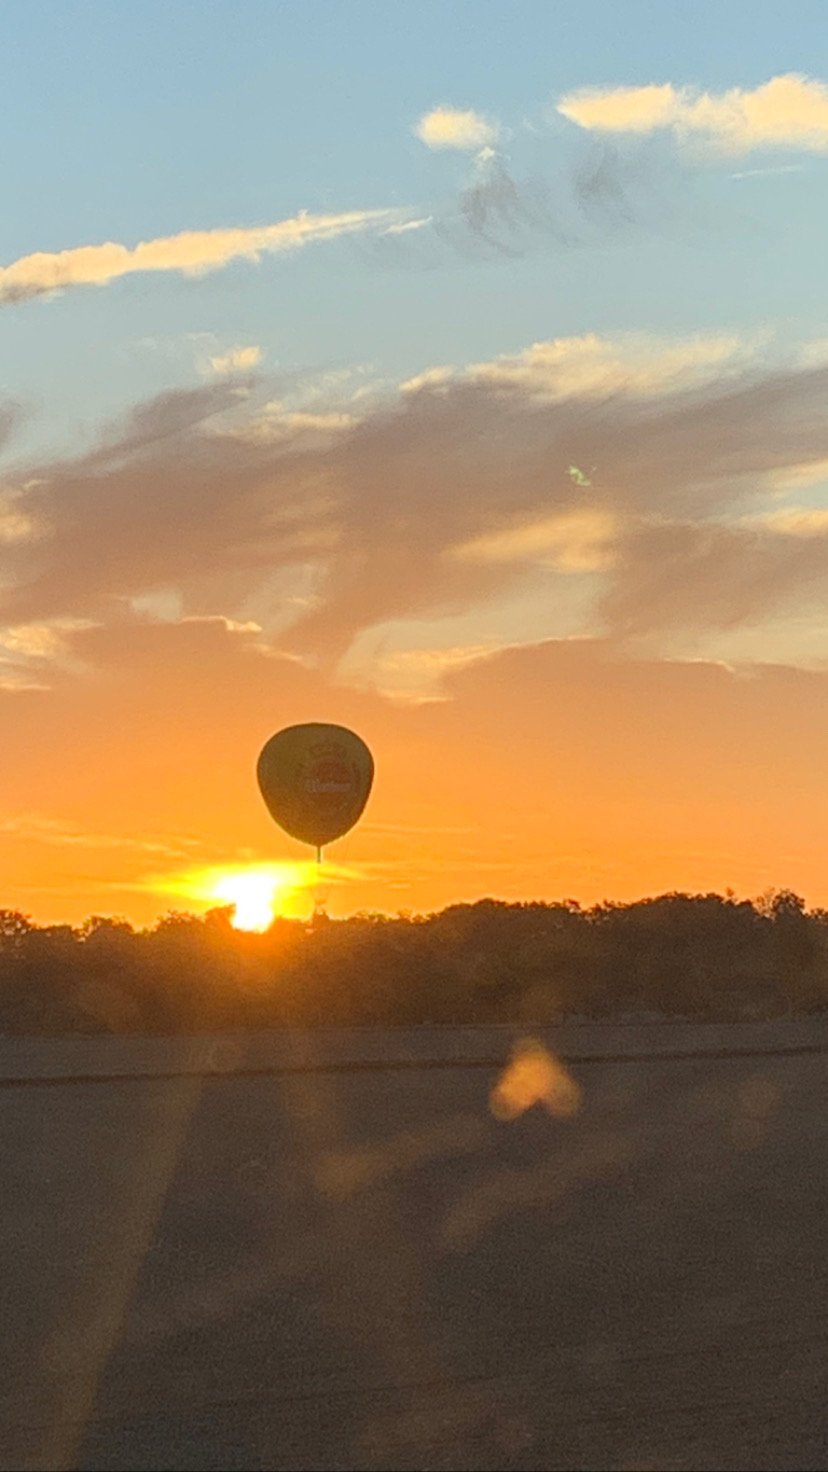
{"x":534,"y":1076}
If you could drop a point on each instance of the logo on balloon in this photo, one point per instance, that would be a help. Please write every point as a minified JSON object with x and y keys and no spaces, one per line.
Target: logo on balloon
{"x":330,"y":780}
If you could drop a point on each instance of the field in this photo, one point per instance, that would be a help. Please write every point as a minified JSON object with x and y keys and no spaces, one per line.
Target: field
{"x":336,"y":1255}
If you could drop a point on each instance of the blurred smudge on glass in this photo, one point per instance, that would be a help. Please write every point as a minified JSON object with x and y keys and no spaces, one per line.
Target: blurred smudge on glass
{"x":533,"y":1076}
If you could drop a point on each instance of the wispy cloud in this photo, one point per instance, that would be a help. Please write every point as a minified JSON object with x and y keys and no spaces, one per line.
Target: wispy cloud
{"x":192,"y":252}
{"x":499,"y":211}
{"x":635,"y":364}
{"x":788,"y":111}
{"x":439,"y":501}
{"x":35,"y":828}
{"x":579,"y":540}
{"x":795,"y":521}
{"x":770,"y":171}
{"x":275,"y":424}
{"x":415,"y":676}
{"x":405,"y":227}
{"x":44,"y":641}
{"x":506,"y":212}
{"x":15,"y":525}
{"x":450,"y":127}
{"x":702,"y":576}
{"x":18,"y":682}
{"x":236,"y":360}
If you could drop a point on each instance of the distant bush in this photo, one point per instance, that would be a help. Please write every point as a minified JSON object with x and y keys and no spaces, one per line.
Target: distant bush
{"x":701,"y":956}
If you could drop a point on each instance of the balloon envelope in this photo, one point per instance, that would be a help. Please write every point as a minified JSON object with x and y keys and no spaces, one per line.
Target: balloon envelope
{"x":315,"y":780}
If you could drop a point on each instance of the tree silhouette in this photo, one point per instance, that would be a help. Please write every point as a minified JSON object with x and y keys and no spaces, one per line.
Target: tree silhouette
{"x":691,"y":955}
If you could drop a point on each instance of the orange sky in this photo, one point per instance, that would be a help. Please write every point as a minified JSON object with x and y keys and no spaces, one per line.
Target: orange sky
{"x":573,"y":598}
{"x":558,"y":770}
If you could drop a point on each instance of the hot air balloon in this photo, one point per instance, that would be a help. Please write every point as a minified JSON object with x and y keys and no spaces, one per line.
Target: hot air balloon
{"x":315,"y":780}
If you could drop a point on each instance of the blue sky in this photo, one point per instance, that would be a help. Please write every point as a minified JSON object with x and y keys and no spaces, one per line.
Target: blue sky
{"x":132,"y":122}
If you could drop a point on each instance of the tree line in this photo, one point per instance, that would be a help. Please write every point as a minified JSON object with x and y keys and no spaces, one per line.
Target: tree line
{"x":682,"y":955}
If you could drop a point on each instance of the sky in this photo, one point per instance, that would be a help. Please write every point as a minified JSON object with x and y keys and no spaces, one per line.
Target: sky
{"x":457,"y":372}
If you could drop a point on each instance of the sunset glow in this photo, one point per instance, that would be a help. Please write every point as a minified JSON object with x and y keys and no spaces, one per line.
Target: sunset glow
{"x":255,"y":896}
{"x":257,"y":893}
{"x":482,"y":412}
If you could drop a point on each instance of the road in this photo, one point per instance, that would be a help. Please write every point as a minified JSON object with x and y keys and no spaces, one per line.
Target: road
{"x":332,"y":1266}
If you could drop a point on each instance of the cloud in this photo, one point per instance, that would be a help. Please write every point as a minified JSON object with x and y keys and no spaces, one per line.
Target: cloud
{"x":814,"y":354}
{"x":15,"y":524}
{"x":502,"y":212}
{"x":788,"y":111}
{"x":33,"y":656}
{"x":166,"y":416}
{"x":275,"y":423}
{"x":609,"y":189}
{"x":764,"y":173}
{"x":17,"y":682}
{"x":796,"y":521}
{"x":449,"y":127}
{"x":800,"y":477}
{"x":640,"y":365}
{"x":406,"y":226}
{"x":444,"y":502}
{"x":679,"y":577}
{"x":620,"y":109}
{"x":481,"y":461}
{"x":592,"y":366}
{"x":236,"y":360}
{"x":35,"y":641}
{"x":435,"y":378}
{"x":498,"y":211}
{"x":191,"y":253}
{"x":580,"y":540}
{"x":36,"y":828}
{"x":144,"y":501}
{"x":416,"y":676}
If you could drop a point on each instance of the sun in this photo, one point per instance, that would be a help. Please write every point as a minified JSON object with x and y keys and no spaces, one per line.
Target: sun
{"x":254,"y":895}
{"x":257,"y":892}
